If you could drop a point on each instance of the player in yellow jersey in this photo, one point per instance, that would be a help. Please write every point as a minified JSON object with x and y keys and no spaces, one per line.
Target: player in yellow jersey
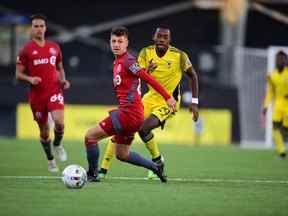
{"x":167,"y":65}
{"x":277,"y":89}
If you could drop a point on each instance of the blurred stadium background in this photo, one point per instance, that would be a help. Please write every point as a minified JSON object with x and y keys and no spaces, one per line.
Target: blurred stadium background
{"x":227,"y":41}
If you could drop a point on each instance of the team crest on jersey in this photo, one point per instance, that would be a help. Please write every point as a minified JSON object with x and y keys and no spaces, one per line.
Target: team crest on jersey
{"x":35,"y":52}
{"x":118,"y":69}
{"x":134,"y":68}
{"x":52,"y":51}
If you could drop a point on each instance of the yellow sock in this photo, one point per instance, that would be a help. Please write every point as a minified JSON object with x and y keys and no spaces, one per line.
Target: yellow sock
{"x":153,"y":148}
{"x":278,"y":139}
{"x":108,"y":156}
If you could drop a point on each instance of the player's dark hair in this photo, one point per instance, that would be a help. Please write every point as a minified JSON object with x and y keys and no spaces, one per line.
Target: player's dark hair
{"x":163,"y":26}
{"x":282,"y":53}
{"x":38,"y":16}
{"x":120,"y":31}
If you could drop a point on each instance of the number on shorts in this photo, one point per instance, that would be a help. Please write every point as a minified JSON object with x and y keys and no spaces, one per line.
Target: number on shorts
{"x":164,"y":111}
{"x":57,"y":98}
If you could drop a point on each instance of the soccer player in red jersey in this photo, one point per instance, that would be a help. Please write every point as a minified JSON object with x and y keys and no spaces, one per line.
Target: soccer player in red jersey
{"x":125,"y":121}
{"x":40,"y":64}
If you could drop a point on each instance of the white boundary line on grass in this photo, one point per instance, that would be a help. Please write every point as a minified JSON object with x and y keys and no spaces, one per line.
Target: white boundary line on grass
{"x":204,"y":180}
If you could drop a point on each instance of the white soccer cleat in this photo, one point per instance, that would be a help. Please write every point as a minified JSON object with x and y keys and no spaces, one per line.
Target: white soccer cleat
{"x":52,"y":166}
{"x":61,"y":153}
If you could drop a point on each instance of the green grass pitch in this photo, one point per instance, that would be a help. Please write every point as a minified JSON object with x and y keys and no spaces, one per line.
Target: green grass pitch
{"x":203,"y":181}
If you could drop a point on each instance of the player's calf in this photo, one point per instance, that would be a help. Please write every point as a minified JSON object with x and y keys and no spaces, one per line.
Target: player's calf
{"x":92,"y":152}
{"x":58,"y":134}
{"x":46,"y":145}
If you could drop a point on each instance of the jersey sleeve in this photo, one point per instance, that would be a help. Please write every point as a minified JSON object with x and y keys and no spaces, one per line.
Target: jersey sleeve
{"x":142,"y":74}
{"x":22,"y":57}
{"x":59,"y":55}
{"x":142,"y":58}
{"x":185,"y":62}
{"x":132,"y":66}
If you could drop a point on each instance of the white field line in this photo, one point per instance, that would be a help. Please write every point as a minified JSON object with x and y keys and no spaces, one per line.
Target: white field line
{"x":204,"y":180}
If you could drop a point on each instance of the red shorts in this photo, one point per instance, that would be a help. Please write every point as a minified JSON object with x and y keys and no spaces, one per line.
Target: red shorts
{"x":123,"y":125}
{"x":41,"y":106}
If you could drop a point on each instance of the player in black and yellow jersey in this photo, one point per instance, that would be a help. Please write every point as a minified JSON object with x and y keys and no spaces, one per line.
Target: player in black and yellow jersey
{"x":167,"y":65}
{"x":277,"y":90}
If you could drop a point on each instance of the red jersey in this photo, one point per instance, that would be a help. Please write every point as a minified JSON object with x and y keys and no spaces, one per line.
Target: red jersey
{"x":126,"y":74}
{"x":127,"y":83}
{"x":41,"y":61}
{"x":126,"y":120}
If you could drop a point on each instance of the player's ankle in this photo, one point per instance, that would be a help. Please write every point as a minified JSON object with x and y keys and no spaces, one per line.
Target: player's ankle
{"x":103,"y":171}
{"x":159,"y":159}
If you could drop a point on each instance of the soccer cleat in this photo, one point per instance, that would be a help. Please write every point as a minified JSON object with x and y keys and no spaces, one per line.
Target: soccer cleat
{"x":159,"y":160}
{"x":160,"y":173}
{"x":92,"y":177}
{"x":102,"y":173}
{"x":52,"y":166}
{"x":60,"y":152}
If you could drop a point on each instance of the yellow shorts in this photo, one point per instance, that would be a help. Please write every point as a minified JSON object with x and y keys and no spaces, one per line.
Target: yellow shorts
{"x":280,"y":112}
{"x":158,"y":108}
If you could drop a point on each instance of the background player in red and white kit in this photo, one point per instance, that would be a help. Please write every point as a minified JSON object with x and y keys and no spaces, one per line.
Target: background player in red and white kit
{"x":125,"y":121}
{"x":40,"y":64}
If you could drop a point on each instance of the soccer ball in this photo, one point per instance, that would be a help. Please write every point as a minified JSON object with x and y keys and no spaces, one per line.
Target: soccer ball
{"x":74,"y":176}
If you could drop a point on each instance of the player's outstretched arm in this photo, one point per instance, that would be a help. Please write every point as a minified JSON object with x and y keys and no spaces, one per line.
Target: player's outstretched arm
{"x":193,"y":81}
{"x":162,"y":91}
{"x":20,"y":75}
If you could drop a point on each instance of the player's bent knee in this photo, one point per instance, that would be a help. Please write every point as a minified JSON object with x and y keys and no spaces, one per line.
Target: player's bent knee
{"x":122,"y":152}
{"x":59,"y":127}
{"x":89,"y":141}
{"x":145,"y":129}
{"x":145,"y":135}
{"x":90,"y":133}
{"x":44,"y":135}
{"x":122,"y":156}
{"x":95,"y":133}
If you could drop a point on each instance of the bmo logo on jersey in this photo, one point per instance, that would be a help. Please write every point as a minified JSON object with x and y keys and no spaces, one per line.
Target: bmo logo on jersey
{"x":40,"y":61}
{"x":51,"y":60}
